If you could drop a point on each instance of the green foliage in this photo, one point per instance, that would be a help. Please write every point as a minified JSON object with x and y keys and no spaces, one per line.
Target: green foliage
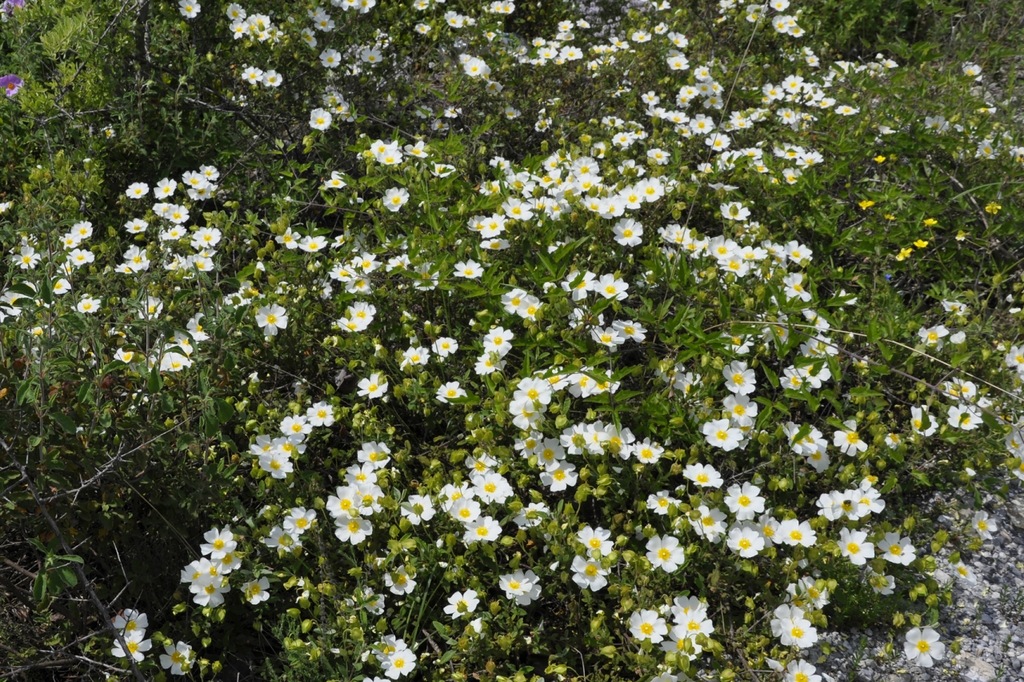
{"x":852,"y":245}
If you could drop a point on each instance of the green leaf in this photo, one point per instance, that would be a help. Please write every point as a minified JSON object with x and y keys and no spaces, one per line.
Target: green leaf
{"x":156,"y":381}
{"x":65,"y":422}
{"x":40,"y":586}
{"x":65,"y":33}
{"x":442,"y":629}
{"x":22,"y":290}
{"x":46,"y":291}
{"x":83,"y":393}
{"x":27,"y":392}
{"x":66,"y":577}
{"x":223,"y":409}
{"x":865,"y":392}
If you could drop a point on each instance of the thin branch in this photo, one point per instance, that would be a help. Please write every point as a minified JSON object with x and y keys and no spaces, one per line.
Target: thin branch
{"x":19,"y":569}
{"x":898,"y":344}
{"x":79,"y":570}
{"x":109,"y":465}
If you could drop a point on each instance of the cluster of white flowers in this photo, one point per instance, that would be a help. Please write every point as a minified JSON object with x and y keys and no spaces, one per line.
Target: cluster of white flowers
{"x":689,"y":620}
{"x":613,"y":183}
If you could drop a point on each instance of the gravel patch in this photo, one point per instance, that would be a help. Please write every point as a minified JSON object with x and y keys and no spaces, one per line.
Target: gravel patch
{"x":986,"y":618}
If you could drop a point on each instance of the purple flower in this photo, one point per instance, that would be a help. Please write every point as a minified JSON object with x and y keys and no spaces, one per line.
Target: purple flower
{"x":10,"y":84}
{"x":10,"y":5}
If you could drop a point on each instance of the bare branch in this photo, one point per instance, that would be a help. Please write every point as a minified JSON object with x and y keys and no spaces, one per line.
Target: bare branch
{"x":79,"y":570}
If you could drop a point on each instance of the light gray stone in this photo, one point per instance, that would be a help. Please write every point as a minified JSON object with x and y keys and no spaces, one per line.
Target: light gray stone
{"x":977,"y":669}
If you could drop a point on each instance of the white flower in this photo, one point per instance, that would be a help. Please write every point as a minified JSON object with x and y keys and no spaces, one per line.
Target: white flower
{"x":897,"y":550}
{"x":588,"y":574}
{"x":922,"y":422}
{"x":703,"y":475}
{"x":647,"y":624}
{"x":165,"y":188}
{"x":136,"y":645}
{"x":745,"y":502}
{"x":476,"y":68}
{"x":320,"y":414}
{"x":498,"y":340}
{"x":735,"y":211}
{"x":450,"y":391}
{"x":933,"y":336}
{"x":462,"y":604}
{"x":665,"y":553}
{"x":255,"y":591}
{"x":923,"y":647}
{"x":559,"y":476}
{"x":792,"y":629}
{"x":849,"y":441}
{"x":610,"y":286}
{"x":739,"y":378}
{"x":131,"y":621}
{"x":418,"y":508}
{"x":137,"y":190}
{"x":177,"y":659}
{"x":596,"y":540}
{"x":721,"y":434}
{"x":800,"y":671}
{"x":794,"y":287}
{"x":967,"y":418}
{"x":854,"y":546}
{"x":330,"y":58}
{"x":745,"y":540}
{"x":481,"y":529}
{"x":136,"y":226}
{"x":983,"y":525}
{"x":399,"y":581}
{"x":272,"y":318}
{"x":174,"y":362}
{"x":524,"y":587}
{"x":399,"y":662}
{"x":965,"y":573}
{"x":445,"y":346}
{"x":352,"y":530}
{"x":88,"y":305}
{"x":468,"y":269}
{"x":373,"y":386}
{"x":795,"y":532}
{"x":277,"y":463}
{"x":271,"y":79}
{"x":188,"y":8}
{"x":417,"y":355}
{"x":320,"y":119}
{"x":336,"y":181}
{"x":395,"y":198}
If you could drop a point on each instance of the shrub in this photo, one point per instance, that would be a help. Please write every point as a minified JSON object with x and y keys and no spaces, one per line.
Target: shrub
{"x":495,"y":341}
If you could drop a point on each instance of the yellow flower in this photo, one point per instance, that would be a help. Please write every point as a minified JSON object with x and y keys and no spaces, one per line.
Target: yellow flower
{"x":879,"y":159}
{"x":889,"y":216}
{"x":928,"y":222}
{"x":866,"y":204}
{"x":904,"y":254}
{"x":993,"y":208}
{"x":961,"y":235}
{"x":920,"y":243}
